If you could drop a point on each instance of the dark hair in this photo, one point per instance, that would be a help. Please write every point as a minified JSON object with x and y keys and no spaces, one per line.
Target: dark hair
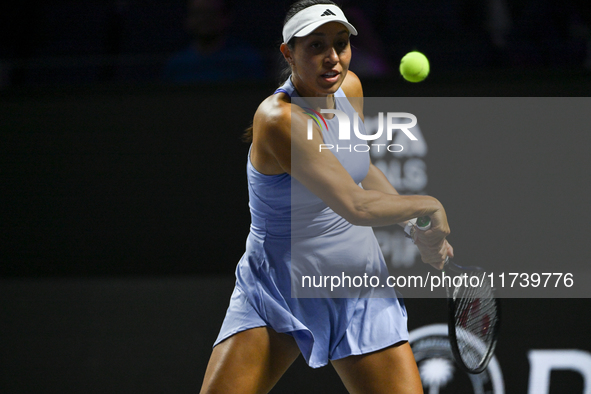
{"x":286,"y":71}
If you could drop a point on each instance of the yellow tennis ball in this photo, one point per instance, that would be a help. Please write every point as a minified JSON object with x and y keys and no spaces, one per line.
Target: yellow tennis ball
{"x":414,"y":67}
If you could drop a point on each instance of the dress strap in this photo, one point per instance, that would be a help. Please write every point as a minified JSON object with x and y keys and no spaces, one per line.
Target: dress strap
{"x":287,"y":88}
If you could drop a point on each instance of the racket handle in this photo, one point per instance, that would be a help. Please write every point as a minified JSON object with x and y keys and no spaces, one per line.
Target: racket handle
{"x":423,"y":223}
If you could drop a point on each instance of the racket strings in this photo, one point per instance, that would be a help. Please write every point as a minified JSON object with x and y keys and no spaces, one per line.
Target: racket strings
{"x":475,"y":318}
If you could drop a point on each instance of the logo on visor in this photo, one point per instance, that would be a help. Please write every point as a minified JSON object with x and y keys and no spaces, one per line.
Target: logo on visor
{"x":328,"y":12}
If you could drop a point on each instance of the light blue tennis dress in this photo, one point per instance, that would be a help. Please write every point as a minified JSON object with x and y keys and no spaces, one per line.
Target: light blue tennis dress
{"x":283,"y":210}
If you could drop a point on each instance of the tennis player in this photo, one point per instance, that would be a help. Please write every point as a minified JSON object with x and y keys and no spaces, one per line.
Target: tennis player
{"x":265,"y":328}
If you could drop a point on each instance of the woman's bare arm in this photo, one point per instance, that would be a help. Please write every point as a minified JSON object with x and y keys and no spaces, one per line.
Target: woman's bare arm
{"x":323,"y":175}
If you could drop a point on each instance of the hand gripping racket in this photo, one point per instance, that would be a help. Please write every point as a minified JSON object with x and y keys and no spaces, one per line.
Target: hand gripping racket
{"x":474,"y":314}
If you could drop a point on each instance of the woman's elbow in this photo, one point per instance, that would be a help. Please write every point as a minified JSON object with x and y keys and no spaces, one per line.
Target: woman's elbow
{"x":357,"y":216}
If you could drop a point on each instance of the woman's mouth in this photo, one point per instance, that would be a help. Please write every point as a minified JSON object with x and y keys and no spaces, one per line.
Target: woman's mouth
{"x":331,"y":76}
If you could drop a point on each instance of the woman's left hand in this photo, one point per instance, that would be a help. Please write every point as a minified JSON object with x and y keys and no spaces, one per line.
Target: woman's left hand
{"x":433,"y":253}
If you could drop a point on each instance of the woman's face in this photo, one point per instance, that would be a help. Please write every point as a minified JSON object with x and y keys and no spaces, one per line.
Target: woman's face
{"x":320,"y":60}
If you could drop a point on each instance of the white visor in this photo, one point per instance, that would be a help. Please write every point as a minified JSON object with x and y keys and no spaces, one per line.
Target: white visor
{"x":308,"y":19}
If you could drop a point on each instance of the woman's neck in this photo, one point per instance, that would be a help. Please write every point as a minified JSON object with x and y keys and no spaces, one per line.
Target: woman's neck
{"x":317,"y":101}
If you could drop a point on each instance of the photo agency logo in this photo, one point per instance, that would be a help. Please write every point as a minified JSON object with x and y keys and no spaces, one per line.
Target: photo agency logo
{"x":396,"y":146}
{"x":394,"y":121}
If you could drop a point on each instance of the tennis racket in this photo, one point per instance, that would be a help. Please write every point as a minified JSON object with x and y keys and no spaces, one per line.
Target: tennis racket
{"x":474,"y":314}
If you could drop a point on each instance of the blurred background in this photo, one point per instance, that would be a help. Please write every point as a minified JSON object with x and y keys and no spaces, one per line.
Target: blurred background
{"x":68,"y":43}
{"x":124,"y":207}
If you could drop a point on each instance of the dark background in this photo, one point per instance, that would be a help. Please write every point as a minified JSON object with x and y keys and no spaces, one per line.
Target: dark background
{"x":123,"y":204}
{"x":129,"y":41}
{"x":143,"y":180}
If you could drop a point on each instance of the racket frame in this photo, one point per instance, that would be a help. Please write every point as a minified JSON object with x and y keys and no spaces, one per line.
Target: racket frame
{"x":451,"y":323}
{"x":423,"y":224}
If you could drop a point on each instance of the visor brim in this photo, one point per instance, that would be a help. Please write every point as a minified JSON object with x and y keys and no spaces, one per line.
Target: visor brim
{"x":313,"y":26}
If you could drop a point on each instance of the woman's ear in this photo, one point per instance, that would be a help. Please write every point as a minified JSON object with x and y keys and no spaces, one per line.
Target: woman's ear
{"x":287,"y":55}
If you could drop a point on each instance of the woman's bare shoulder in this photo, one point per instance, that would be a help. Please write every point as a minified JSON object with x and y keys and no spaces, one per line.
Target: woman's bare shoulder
{"x":274,"y":116}
{"x":273,"y":111}
{"x":352,"y":85}
{"x":271,"y":149}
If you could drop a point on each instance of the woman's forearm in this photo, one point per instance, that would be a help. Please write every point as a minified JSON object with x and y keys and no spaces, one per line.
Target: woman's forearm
{"x":374,"y":208}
